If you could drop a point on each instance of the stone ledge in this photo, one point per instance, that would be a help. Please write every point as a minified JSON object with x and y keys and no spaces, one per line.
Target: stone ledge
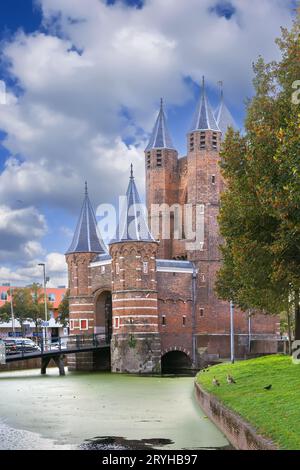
{"x":238,"y":431}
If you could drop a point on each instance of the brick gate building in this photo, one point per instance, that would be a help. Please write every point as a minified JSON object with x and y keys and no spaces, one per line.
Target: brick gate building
{"x":154,"y":299}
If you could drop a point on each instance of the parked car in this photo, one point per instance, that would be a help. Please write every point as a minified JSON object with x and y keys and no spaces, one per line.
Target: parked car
{"x":19,"y":345}
{"x":10,"y":346}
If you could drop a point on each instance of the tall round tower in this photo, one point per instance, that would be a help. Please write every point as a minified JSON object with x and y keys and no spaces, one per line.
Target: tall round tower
{"x":86,"y":245}
{"x":135,"y":346}
{"x":161,"y":181}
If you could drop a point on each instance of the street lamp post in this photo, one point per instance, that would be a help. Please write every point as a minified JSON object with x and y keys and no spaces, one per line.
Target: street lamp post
{"x":45,"y":300}
{"x":12,"y":312}
{"x":232,"y":332}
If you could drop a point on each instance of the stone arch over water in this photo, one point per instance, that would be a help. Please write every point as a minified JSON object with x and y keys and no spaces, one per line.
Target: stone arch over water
{"x":176,"y":361}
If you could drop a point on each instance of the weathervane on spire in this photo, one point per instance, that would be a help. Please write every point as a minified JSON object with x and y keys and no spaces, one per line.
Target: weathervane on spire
{"x":86,"y":188}
{"x":131,"y":172}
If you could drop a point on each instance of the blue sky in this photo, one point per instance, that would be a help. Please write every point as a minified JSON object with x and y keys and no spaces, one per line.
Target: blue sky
{"x":84,"y":84}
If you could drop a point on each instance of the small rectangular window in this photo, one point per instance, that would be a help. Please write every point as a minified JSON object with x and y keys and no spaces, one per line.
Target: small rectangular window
{"x":51,"y":297}
{"x":192,"y":143}
{"x":163,"y":320}
{"x":117,"y":269}
{"x":183,"y":321}
{"x":116,"y":323}
{"x":201,"y":312}
{"x":71,"y":325}
{"x":102,"y":269}
{"x":84,"y":325}
{"x":215,"y":141}
{"x":145,"y":267}
{"x":3,"y":295}
{"x":148,"y":159}
{"x":213,"y":179}
{"x":202,"y":140}
{"x":159,"y":158}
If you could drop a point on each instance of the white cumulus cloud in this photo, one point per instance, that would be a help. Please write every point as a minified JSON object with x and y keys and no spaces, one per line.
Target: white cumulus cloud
{"x":90,"y":84}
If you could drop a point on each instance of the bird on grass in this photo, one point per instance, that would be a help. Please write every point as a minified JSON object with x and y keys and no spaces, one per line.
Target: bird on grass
{"x":268,"y":387}
{"x":215,"y":382}
{"x":230,"y":379}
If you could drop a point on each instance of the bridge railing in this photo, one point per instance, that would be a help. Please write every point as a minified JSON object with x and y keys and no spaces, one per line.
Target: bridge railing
{"x":23,"y":348}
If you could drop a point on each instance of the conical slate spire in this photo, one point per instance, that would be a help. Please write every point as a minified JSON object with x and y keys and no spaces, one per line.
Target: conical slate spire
{"x":224,"y":117}
{"x":160,"y":137}
{"x":133,"y":225}
{"x":204,"y":119}
{"x":86,"y":237}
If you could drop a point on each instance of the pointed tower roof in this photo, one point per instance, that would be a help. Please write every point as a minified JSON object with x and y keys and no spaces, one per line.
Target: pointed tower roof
{"x":160,"y":137}
{"x":224,"y":117}
{"x":204,"y":119}
{"x":133,"y":225}
{"x":86,"y":237}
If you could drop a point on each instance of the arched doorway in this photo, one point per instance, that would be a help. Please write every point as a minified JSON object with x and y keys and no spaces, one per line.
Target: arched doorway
{"x":175,"y":362}
{"x":104,"y":315}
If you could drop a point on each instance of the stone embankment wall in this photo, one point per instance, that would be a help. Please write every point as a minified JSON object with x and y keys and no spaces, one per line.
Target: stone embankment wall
{"x":239,"y":433}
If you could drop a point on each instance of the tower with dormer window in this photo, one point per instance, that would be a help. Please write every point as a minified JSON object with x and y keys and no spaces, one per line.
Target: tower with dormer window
{"x":161,"y":181}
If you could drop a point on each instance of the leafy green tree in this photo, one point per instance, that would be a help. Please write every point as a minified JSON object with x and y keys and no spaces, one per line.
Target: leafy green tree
{"x":64,"y":310}
{"x":5,"y":312}
{"x":28,"y":305}
{"x":37,"y":309}
{"x":22,"y":304}
{"x":260,"y":210}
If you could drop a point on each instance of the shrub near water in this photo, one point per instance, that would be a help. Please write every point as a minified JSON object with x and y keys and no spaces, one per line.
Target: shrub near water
{"x":274,"y":413}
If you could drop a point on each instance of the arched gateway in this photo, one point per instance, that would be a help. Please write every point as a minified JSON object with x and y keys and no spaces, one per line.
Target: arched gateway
{"x":175,"y":362}
{"x":103,"y":309}
{"x":137,"y":271}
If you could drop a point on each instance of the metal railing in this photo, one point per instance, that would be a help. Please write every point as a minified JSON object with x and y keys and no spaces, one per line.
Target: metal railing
{"x":62,"y":345}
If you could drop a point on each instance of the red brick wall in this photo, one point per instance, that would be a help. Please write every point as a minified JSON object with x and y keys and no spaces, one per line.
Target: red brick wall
{"x":134,"y":292}
{"x":81,"y":295}
{"x":162,"y":188}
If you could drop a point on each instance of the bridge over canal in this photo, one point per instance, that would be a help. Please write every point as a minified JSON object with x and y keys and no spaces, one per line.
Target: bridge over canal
{"x":67,"y":345}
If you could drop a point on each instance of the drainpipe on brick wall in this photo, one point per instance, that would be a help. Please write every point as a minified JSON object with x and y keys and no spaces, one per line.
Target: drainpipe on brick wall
{"x":249,"y":331}
{"x":194,"y":278}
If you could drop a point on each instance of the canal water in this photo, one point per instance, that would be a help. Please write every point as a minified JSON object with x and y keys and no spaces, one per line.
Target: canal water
{"x":102,"y":411}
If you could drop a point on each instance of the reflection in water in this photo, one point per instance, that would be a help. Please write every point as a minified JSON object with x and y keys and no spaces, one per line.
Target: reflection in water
{"x":121,"y":443}
{"x":66,"y":412}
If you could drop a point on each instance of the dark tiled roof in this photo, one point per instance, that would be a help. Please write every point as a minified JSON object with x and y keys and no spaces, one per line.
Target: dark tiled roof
{"x":204,"y":118}
{"x":86,"y":237}
{"x":224,"y":118}
{"x":160,"y":137}
{"x":133,"y":225}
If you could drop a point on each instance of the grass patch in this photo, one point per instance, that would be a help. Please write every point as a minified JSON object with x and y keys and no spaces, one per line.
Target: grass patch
{"x":274,"y":413}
